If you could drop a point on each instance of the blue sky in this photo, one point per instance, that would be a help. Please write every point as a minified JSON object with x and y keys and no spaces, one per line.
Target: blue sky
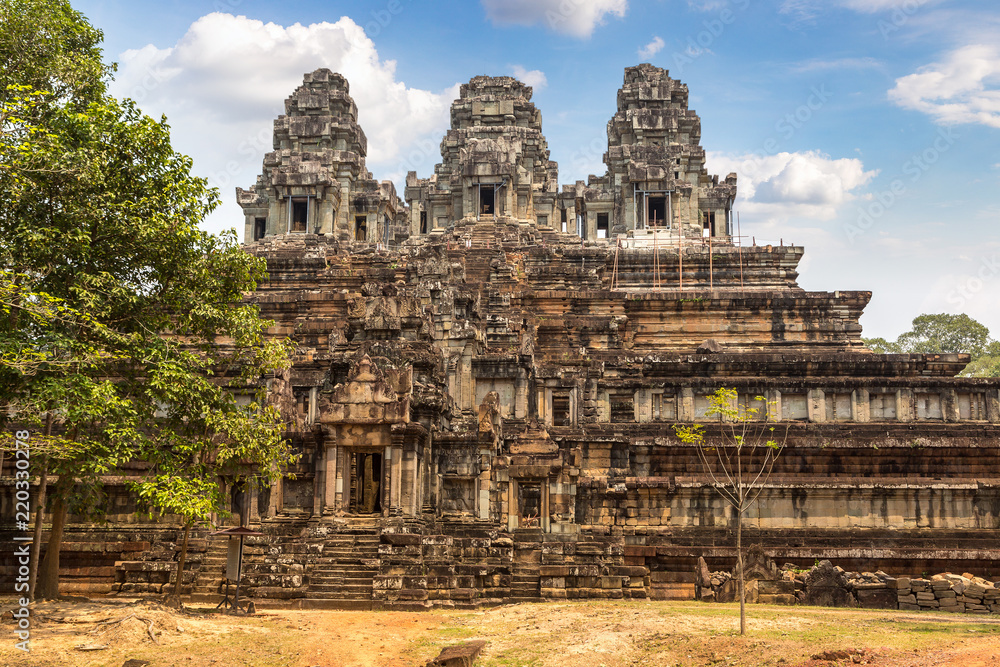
{"x":865,"y":130}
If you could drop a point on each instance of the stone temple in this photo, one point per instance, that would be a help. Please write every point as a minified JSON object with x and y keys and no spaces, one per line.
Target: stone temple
{"x":488,"y":369}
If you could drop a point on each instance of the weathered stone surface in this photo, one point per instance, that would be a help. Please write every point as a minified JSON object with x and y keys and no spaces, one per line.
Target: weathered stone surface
{"x":462,"y":655}
{"x":876,"y":598}
{"x":485,"y":378}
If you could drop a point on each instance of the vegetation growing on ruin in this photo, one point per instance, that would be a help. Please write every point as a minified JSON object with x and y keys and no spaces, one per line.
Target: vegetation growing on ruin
{"x":113,"y":299}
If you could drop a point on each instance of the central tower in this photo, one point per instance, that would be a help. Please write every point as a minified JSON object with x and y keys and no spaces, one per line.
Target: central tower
{"x":494,"y":162}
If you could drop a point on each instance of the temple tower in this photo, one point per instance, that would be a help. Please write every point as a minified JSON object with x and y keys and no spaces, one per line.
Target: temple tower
{"x":494,"y":162}
{"x":315,"y":181}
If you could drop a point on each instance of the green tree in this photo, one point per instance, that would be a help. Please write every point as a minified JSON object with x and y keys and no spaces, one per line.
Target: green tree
{"x":127,"y":334}
{"x":882,"y":346}
{"x":986,"y":365}
{"x":945,"y":334}
{"x":942,"y":333}
{"x":740,"y":460}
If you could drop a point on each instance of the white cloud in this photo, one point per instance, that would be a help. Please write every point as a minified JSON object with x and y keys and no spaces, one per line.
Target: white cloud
{"x":652,"y":48}
{"x":578,"y":18}
{"x":224,"y":82}
{"x":807,"y":11}
{"x":801,"y":11}
{"x":876,"y":6}
{"x":707,"y":5}
{"x":962,"y":89}
{"x":534,"y":78}
{"x":819,"y":65}
{"x":793,"y":185}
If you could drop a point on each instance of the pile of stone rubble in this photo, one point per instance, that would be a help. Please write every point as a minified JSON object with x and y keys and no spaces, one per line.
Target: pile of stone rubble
{"x":829,"y":585}
{"x":949,"y":592}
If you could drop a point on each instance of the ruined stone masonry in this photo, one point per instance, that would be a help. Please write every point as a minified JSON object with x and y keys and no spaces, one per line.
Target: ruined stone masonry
{"x":487,"y":372}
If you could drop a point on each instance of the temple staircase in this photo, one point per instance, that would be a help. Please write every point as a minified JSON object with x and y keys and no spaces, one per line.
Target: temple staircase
{"x":341,"y":578}
{"x":525,"y":584}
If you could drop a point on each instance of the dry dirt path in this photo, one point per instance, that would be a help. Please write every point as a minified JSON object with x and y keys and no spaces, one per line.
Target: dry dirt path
{"x":573,"y":634}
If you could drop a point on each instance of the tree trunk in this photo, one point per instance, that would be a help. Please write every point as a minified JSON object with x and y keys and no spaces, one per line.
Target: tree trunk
{"x":739,"y":569}
{"x":48,"y":582}
{"x":175,"y":597}
{"x":36,"y":542}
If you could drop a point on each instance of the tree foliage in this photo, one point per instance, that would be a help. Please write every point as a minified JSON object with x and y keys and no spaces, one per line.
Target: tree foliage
{"x":122,"y":318}
{"x":942,"y":333}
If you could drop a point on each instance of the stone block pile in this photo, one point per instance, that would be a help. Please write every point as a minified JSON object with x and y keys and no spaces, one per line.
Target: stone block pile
{"x":964,"y":593}
{"x":830,"y":585}
{"x":442,"y":570}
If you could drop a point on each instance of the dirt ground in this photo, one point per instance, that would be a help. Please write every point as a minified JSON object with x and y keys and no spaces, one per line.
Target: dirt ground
{"x":574,"y":634}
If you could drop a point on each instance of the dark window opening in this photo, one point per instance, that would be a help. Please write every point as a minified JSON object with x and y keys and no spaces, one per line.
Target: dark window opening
{"x":366,"y":483}
{"x":656,"y":212}
{"x":529,"y":503}
{"x":563,"y":216}
{"x":301,"y":402}
{"x":619,"y":456}
{"x":602,"y":225}
{"x":300,"y":210}
{"x":622,"y":406}
{"x":259,"y":228}
{"x":487,"y":199}
{"x":708,"y":225}
{"x":423,"y":222}
{"x":361,"y":228}
{"x":238,"y":502}
{"x":560,"y":409}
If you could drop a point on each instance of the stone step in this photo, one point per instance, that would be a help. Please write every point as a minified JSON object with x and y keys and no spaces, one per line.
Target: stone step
{"x":348,"y":553}
{"x":334,"y":603}
{"x":342,"y":576}
{"x":321,"y":564}
{"x":346,"y":569}
{"x":359,"y":538}
{"x":365,"y":588}
{"x":339,"y":595}
{"x":338,"y":581}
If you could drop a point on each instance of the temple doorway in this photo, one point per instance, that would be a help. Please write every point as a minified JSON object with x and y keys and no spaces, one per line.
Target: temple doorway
{"x":656,"y":212}
{"x":366,"y":483}
{"x":487,"y":199}
{"x":529,"y":504}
